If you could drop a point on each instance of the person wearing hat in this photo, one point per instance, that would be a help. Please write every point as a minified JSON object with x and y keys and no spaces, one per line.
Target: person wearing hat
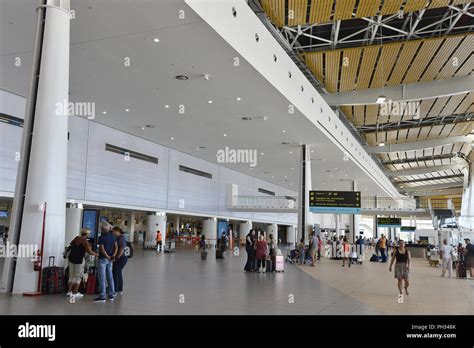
{"x":469,"y":256}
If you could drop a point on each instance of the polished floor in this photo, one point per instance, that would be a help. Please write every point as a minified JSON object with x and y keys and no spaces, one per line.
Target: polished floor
{"x":181,"y":283}
{"x":373,"y":284}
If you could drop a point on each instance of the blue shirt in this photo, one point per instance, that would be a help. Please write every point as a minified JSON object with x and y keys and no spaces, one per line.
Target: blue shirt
{"x":108,"y":241}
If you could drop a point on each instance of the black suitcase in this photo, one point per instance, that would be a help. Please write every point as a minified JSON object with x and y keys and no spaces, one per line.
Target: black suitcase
{"x":219,"y":254}
{"x":52,"y":280}
{"x":269,"y":266}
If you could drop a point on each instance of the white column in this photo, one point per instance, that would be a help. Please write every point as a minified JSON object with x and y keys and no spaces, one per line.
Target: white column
{"x":272,"y":229}
{"x":209,"y":229}
{"x":46,"y":179}
{"x":156,"y":222}
{"x":466,"y":220}
{"x":244,"y":229}
{"x":73,"y":223}
{"x":176,"y":223}
{"x":291,"y":235}
{"x":338,"y":225}
{"x":131,"y":227}
{"x":304,"y":216}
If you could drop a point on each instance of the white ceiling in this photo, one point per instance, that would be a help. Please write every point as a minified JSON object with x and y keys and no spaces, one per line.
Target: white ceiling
{"x":105,"y":32}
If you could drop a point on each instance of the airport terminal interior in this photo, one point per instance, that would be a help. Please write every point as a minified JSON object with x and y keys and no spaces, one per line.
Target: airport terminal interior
{"x":248,"y":157}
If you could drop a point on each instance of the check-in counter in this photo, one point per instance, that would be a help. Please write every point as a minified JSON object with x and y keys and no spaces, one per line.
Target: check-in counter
{"x":417,"y":251}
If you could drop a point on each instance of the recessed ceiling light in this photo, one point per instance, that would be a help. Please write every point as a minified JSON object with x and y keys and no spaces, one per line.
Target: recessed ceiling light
{"x":312,"y":151}
{"x":181,"y":77}
{"x":143,"y":128}
{"x":239,"y":99}
{"x":172,"y":138}
{"x":209,"y":101}
{"x":283,"y":131}
{"x":225,"y":134}
{"x":382,"y":144}
{"x":291,"y":152}
{"x":156,"y":39}
{"x":167,"y":106}
{"x":127,"y":110}
{"x":381,"y":99}
{"x":292,"y":168}
{"x":265,"y":118}
{"x":104,"y":112}
{"x":262,"y":154}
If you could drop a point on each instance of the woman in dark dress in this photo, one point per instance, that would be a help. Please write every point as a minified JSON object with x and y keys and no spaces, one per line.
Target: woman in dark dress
{"x":249,"y":248}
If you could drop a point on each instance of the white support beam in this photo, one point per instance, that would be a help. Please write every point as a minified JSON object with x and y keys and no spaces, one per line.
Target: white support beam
{"x":425,"y":170}
{"x":453,"y":191}
{"x":414,"y":91}
{"x":420,"y":145}
{"x":413,"y":190}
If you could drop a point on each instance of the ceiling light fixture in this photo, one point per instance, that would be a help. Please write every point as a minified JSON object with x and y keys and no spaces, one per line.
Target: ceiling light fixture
{"x":225,"y":134}
{"x":381,"y":99}
{"x":207,"y":77}
{"x":172,"y":138}
{"x":209,"y":101}
{"x":283,"y":131}
{"x":127,"y":110}
{"x":382,"y":144}
{"x":104,"y":112}
{"x":181,"y":77}
{"x":167,"y":106}
{"x":239,"y":99}
{"x":291,"y":152}
{"x":156,"y":39}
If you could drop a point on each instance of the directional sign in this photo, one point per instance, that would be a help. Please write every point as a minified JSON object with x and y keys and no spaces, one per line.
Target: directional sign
{"x":336,"y":202}
{"x":408,"y":229}
{"x":389,"y":222}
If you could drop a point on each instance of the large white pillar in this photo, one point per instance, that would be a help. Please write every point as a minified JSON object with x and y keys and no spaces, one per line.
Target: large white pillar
{"x":156,"y":222}
{"x":272,"y":229}
{"x":291,"y":236}
{"x":466,"y":220}
{"x":209,"y":229}
{"x":46,"y":178}
{"x":73,"y":223}
{"x":304,"y":216}
{"x":244,"y":229}
{"x":338,"y":225}
{"x":131,"y":227}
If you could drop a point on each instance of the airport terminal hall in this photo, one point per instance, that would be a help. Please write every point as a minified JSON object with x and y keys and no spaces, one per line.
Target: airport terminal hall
{"x":236,"y":157}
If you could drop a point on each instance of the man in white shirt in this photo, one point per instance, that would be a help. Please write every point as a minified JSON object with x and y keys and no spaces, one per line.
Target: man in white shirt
{"x":446,"y":258}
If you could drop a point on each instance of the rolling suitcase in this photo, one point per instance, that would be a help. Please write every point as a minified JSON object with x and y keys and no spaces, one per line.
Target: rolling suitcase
{"x":203,"y":255}
{"x":268,"y":266}
{"x":219,"y":254}
{"x":52,"y":281}
{"x":92,"y":284}
{"x":279,"y":264}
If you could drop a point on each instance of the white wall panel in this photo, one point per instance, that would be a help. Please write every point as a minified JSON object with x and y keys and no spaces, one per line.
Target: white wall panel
{"x":245,"y":184}
{"x":111,"y":178}
{"x":77,"y":157}
{"x":287,"y":218}
{"x":257,"y":183}
{"x":196,"y":193}
{"x":10,"y":143}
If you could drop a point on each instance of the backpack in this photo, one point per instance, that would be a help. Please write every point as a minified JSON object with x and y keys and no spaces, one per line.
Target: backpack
{"x":128,"y":250}
{"x":374,"y":258}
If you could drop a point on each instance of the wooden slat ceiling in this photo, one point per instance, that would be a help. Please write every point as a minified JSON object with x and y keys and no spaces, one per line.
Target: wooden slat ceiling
{"x":399,"y":62}
{"x":323,"y":11}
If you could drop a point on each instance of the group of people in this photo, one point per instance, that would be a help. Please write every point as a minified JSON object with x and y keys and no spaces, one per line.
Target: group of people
{"x":112,"y":258}
{"x":312,"y":252}
{"x":259,"y":250}
{"x":462,"y":258}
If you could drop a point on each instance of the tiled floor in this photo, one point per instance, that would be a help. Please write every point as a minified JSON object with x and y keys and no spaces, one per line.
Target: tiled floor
{"x":155,"y":284}
{"x":373,"y":284}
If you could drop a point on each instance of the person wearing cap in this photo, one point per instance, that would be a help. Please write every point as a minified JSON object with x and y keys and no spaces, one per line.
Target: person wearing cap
{"x":469,"y":256}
